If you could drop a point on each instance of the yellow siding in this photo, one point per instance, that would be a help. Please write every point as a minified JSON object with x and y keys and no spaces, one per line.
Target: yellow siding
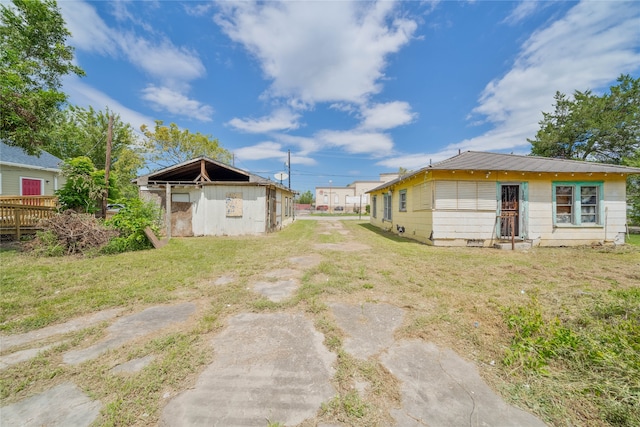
{"x":460,"y":207}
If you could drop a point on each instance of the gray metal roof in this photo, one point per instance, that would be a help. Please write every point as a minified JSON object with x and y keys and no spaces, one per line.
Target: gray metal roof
{"x":492,"y":162}
{"x":481,"y":161}
{"x":17,"y":156}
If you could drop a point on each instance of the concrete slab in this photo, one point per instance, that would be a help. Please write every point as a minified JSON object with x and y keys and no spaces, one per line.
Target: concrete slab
{"x":370,"y":326}
{"x":306,"y":261}
{"x":224,"y":280}
{"x":64,"y":405}
{"x":441,"y":389}
{"x":131,"y":327}
{"x":277,"y":291}
{"x":8,"y":341}
{"x":266,"y":366}
{"x":133,"y":366}
{"x":342,"y":247}
{"x":21,"y":356}
{"x":283,"y":273}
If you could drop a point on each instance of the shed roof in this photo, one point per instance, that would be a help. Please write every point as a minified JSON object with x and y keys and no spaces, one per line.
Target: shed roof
{"x":491,"y":162}
{"x":17,"y":156}
{"x":202,"y":170}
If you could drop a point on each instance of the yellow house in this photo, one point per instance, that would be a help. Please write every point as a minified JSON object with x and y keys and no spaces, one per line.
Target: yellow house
{"x":482,"y":199}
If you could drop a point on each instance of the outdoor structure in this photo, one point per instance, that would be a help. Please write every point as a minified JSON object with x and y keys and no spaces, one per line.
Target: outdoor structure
{"x":204,"y":197}
{"x":349,"y":198}
{"x":22,"y":174}
{"x":482,"y":199}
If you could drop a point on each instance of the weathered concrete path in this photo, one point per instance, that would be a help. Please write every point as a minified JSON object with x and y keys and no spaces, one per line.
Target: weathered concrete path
{"x":275,"y":367}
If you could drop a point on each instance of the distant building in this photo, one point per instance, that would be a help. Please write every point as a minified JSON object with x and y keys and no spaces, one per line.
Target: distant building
{"x":348,"y":199}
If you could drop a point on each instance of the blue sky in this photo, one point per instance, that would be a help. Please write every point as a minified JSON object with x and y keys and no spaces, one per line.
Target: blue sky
{"x":352,"y":89}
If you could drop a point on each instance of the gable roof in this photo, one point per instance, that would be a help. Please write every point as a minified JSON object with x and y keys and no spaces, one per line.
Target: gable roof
{"x":491,"y":162}
{"x":202,"y":170}
{"x":16,"y":156}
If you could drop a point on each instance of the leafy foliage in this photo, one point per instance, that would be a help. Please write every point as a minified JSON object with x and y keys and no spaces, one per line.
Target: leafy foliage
{"x":306,"y":198}
{"x":83,"y":189}
{"x":633,"y":189}
{"x":601,"y":346}
{"x":33,"y":58}
{"x":131,"y":222}
{"x":83,"y":132}
{"x":590,"y":127}
{"x":168,"y":145}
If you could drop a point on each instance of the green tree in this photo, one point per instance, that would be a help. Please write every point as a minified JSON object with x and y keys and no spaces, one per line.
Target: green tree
{"x":83,"y":132}
{"x":168,"y":145}
{"x":633,"y":189}
{"x":590,"y":127}
{"x":306,"y":198}
{"x":84,"y":187}
{"x":33,"y":58}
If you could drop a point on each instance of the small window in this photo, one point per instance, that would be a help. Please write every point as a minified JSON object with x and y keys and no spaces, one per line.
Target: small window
{"x":374,"y":207}
{"x":564,"y":204}
{"x":589,"y":205}
{"x":403,"y":200}
{"x":387,"y":206}
{"x":577,"y":203}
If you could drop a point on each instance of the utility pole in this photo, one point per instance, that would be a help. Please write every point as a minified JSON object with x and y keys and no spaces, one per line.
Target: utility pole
{"x":107,"y":166}
{"x":289,"y":164}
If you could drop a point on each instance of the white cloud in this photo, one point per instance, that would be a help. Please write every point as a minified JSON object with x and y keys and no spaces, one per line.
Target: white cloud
{"x":166,"y":99}
{"x":280,"y":119}
{"x":162,"y":59}
{"x":523,"y":10}
{"x":319,"y":51}
{"x":270,"y":150}
{"x":84,"y":95}
{"x":305,"y":145}
{"x":587,"y":48}
{"x":357,"y":142}
{"x":386,"y":116}
{"x":174,"y":67}
{"x":88,"y":31}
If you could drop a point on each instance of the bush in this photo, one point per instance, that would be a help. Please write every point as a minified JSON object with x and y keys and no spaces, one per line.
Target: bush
{"x":131,"y":221}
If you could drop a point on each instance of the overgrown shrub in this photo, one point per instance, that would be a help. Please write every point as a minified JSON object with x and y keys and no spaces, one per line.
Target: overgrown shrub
{"x":131,"y":222}
{"x":599,"y":346}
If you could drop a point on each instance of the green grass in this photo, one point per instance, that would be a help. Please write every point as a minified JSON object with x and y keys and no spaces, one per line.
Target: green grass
{"x":633,"y":239}
{"x":560,"y":324}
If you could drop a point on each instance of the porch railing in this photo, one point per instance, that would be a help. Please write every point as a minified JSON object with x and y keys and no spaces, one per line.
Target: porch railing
{"x":21,"y":214}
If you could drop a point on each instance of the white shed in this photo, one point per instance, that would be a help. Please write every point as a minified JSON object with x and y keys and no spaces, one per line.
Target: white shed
{"x":204,"y":197}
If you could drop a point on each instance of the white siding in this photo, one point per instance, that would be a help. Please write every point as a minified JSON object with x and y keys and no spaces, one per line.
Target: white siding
{"x":210,"y":211}
{"x":465,"y":195}
{"x":542,"y":230}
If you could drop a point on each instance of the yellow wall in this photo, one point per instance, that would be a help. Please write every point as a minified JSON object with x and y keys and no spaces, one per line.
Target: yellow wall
{"x":464,"y":219}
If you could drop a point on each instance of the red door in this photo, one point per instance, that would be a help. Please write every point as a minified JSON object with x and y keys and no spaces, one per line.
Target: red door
{"x":31,"y":187}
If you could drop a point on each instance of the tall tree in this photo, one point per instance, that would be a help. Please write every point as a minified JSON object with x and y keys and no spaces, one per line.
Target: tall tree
{"x":83,"y":132}
{"x":168,"y":145}
{"x":590,"y":127}
{"x":33,"y":58}
{"x":306,"y":198}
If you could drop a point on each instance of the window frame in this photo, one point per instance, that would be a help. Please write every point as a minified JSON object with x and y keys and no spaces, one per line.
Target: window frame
{"x":374,"y":206}
{"x":576,"y":202}
{"x":402,"y":200}
{"x":388,"y":204}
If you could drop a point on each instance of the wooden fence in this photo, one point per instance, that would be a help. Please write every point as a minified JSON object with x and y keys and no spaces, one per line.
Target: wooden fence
{"x":21,"y":214}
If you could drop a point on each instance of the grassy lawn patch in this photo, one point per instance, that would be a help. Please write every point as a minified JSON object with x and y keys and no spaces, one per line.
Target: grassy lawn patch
{"x":554,"y":330}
